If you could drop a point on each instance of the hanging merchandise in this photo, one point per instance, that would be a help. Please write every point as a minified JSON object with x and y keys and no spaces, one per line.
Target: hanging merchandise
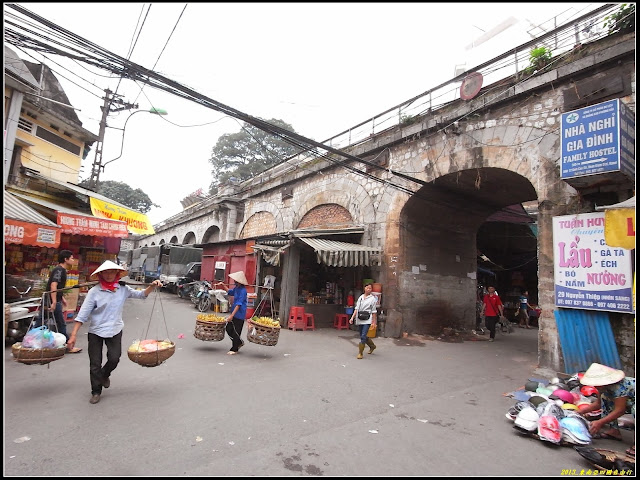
{"x":152,"y":352}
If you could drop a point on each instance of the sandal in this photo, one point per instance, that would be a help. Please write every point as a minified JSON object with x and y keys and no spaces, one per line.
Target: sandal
{"x":230,"y":352}
{"x":607,"y":436}
{"x":631,"y":451}
{"x":75,"y":350}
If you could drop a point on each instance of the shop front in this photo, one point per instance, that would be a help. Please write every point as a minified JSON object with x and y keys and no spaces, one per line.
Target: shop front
{"x":92,"y":241}
{"x":323,"y":271}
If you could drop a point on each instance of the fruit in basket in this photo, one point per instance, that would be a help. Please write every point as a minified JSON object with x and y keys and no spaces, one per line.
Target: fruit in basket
{"x":267,"y":321}
{"x":149,"y":346}
{"x":210,"y":317}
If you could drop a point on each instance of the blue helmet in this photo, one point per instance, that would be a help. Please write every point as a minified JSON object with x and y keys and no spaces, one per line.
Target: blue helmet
{"x":574,"y":431}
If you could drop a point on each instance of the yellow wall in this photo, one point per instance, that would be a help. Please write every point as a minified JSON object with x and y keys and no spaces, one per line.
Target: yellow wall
{"x":50,"y":160}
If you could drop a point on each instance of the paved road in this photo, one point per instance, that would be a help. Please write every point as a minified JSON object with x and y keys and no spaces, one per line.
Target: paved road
{"x":305,"y":407}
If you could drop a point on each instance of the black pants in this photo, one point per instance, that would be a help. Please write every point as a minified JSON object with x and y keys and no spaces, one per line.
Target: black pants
{"x":234,"y":329}
{"x":490,"y":322}
{"x":96,"y":371}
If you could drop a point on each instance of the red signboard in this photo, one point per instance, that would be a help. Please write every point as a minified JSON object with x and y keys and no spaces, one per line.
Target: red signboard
{"x":26,"y":233}
{"x":94,"y":226}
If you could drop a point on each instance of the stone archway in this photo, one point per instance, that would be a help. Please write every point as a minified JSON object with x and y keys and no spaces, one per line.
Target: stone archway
{"x":437,"y":236}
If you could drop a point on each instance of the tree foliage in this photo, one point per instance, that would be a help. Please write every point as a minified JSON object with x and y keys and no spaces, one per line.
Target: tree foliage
{"x":122,"y":193}
{"x":245,"y":154}
{"x":622,"y":20}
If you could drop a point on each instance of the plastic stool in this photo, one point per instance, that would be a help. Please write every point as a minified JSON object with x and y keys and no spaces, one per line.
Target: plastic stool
{"x":311,"y":321}
{"x":297,"y":319}
{"x":341,"y":321}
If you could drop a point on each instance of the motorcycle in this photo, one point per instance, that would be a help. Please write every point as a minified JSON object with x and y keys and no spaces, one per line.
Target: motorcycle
{"x":22,"y":312}
{"x":204,"y":296}
{"x":185,"y":288}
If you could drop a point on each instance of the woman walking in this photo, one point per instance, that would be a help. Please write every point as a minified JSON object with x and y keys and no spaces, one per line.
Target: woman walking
{"x":366,"y":317}
{"x":235,"y":320}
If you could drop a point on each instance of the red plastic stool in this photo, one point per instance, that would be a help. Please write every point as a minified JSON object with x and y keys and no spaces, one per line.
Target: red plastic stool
{"x":341,"y":321}
{"x":311,"y":321}
{"x":297,"y":319}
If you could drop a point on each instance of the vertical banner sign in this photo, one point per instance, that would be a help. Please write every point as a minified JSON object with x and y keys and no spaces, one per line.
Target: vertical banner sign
{"x":597,"y":139}
{"x":589,"y":274}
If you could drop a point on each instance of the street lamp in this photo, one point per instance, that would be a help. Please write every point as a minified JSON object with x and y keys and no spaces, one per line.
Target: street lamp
{"x":155,"y":111}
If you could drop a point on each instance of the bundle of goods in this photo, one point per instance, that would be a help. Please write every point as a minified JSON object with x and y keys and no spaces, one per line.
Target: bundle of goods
{"x":210,"y":327}
{"x":263,"y":330}
{"x":150,"y":353}
{"x":39,"y":346}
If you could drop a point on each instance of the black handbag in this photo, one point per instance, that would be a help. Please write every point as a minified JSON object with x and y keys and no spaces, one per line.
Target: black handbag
{"x":363,"y":315}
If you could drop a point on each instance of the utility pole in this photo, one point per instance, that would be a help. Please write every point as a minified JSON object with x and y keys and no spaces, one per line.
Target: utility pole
{"x":109,"y":99}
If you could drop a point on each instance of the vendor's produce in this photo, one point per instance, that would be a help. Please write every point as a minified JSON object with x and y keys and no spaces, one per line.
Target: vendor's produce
{"x":149,"y":345}
{"x":266,"y":321}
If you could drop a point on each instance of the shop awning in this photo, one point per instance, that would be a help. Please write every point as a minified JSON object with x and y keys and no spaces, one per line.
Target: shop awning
{"x":342,"y":254}
{"x":103,"y":207}
{"x":23,"y":225}
{"x":79,"y":223}
{"x":620,"y":224}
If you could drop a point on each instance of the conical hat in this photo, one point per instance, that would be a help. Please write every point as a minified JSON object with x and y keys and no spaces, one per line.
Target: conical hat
{"x":108,"y":265}
{"x":239,"y":277}
{"x":598,"y":375}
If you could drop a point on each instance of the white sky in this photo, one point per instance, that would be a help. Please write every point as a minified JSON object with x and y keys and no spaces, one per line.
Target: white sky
{"x":321,"y":67}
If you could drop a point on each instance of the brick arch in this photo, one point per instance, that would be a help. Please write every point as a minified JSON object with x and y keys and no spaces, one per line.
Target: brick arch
{"x":353,"y":197}
{"x":174,"y":240}
{"x":327,"y":215}
{"x":161,"y":242}
{"x":212,"y":234}
{"x":189,"y":238}
{"x":260,"y":223}
{"x":264,"y":207}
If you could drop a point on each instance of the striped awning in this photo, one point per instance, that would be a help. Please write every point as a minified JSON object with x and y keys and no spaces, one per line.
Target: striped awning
{"x":342,"y":254}
{"x":23,"y":225}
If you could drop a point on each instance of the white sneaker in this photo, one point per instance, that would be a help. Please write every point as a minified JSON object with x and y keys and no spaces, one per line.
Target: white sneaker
{"x":491,"y":339}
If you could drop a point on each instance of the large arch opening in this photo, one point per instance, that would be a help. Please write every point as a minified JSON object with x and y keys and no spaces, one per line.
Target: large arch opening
{"x":439,"y":228}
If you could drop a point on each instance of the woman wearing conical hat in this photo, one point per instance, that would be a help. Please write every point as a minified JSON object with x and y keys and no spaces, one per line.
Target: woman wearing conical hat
{"x":616,"y":396}
{"x":235,"y":320}
{"x":103,"y":306}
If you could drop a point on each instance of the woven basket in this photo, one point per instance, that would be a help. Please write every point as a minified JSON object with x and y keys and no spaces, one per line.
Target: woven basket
{"x":36,"y":356}
{"x":152,"y":359}
{"x":261,"y":334}
{"x":209,"y":331}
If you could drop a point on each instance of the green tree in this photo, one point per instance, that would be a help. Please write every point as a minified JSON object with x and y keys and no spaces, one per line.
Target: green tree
{"x":245,"y":154}
{"x":122,"y":193}
{"x":622,"y":20}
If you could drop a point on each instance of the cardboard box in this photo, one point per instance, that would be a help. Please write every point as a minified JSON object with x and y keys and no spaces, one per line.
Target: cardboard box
{"x":72,"y":300}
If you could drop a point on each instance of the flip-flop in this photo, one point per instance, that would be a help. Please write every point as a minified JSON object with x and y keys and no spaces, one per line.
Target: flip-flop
{"x":75,"y":350}
{"x":606,"y":436}
{"x":631,"y":451}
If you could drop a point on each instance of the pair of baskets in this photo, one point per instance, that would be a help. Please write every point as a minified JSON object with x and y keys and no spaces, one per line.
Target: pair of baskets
{"x":36,"y":356}
{"x":262,"y":334}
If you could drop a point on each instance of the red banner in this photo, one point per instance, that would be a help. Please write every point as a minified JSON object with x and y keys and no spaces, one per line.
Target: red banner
{"x":94,"y":226}
{"x":33,"y":234}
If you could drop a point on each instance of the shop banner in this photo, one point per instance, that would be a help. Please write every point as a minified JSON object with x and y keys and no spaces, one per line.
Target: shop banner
{"x":137,"y":222}
{"x":588,"y":273}
{"x":96,"y":227}
{"x":25,"y":233}
{"x":620,"y":228}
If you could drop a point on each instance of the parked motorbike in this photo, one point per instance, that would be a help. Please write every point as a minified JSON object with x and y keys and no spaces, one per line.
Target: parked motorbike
{"x":204,"y":296}
{"x":22,"y":312}
{"x":185,"y":288}
{"x":195,"y":291}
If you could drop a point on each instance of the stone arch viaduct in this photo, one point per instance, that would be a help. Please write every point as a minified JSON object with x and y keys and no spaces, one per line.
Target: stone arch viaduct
{"x":428,"y":183}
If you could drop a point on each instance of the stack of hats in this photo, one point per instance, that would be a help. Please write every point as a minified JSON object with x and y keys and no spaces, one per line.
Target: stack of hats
{"x":574,"y":431}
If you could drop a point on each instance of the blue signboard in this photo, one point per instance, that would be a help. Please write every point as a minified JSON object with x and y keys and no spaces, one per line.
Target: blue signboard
{"x":590,"y":141}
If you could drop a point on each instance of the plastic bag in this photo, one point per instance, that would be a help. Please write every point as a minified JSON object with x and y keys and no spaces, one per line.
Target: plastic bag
{"x":59,"y":339}
{"x":39,"y":337}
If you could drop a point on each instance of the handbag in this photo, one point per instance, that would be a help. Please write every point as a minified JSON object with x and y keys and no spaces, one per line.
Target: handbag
{"x":363,"y":315}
